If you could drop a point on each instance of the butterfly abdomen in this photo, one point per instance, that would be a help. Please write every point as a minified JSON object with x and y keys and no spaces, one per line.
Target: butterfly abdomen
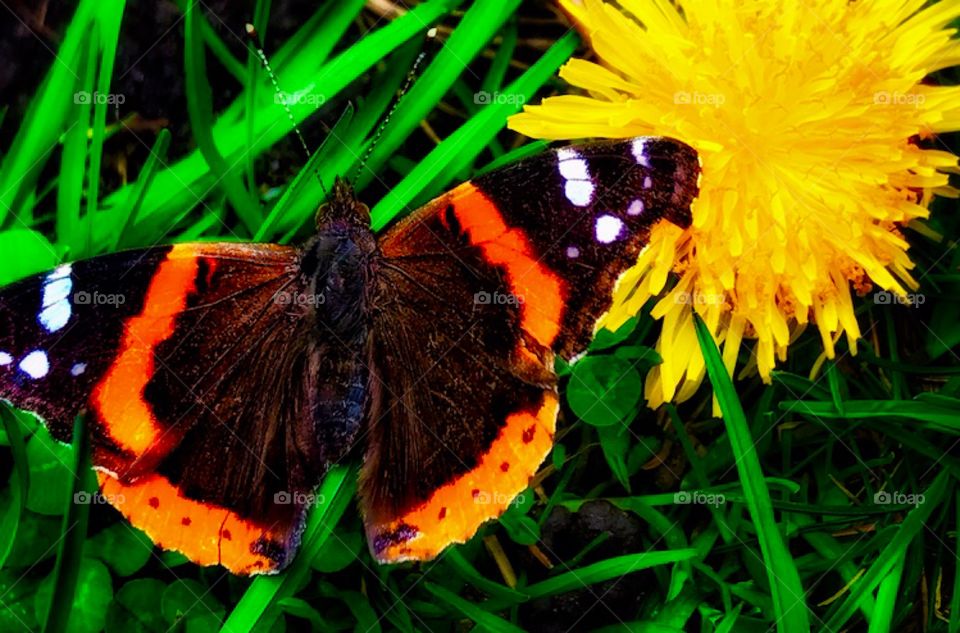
{"x":337,"y":266}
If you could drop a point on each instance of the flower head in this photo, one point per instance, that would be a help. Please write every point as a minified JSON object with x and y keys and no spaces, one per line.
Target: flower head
{"x":815,"y":126}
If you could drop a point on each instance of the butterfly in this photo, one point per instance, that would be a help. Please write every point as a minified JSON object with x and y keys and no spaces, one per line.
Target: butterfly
{"x":222,"y":380}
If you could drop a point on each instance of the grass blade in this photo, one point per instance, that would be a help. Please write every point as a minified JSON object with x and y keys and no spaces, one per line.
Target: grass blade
{"x":479,"y":24}
{"x":75,"y":520}
{"x":788,"y":595}
{"x":127,"y":214}
{"x":485,"y":621}
{"x":200,"y":112}
{"x":913,"y":524}
{"x":11,"y":520}
{"x":335,"y":494}
{"x":458,"y":149}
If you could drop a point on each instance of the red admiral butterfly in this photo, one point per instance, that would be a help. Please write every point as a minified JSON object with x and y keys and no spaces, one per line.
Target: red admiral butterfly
{"x":231,"y":376}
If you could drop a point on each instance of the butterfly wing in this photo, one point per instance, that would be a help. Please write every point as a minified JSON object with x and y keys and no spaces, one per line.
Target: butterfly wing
{"x":479,"y":291}
{"x":190,"y":365}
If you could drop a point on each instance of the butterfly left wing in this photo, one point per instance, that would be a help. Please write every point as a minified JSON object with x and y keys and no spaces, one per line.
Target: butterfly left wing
{"x":191,"y":368}
{"x":478,"y":292}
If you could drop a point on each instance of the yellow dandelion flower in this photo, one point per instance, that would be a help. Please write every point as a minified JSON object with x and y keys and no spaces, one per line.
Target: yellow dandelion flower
{"x":807,"y":117}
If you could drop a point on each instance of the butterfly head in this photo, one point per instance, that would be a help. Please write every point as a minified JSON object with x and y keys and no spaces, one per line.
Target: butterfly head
{"x":343,"y":207}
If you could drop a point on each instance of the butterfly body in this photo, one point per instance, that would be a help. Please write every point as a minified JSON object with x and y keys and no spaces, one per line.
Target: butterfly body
{"x":222,"y":380}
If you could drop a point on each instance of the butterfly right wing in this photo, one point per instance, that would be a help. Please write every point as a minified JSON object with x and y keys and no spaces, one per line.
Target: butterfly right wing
{"x":480,"y":290}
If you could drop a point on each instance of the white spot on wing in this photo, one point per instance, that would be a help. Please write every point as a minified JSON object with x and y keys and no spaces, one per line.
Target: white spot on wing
{"x":60,"y":272}
{"x":574,"y":169}
{"x":636,"y":207}
{"x":55,"y":304}
{"x":608,"y":228}
{"x":579,"y":192}
{"x":647,"y":182}
{"x":56,"y":289}
{"x":639,"y":149}
{"x":35,"y":364}
{"x":573,"y":252}
{"x":577,"y":184}
{"x":5,"y":358}
{"x":56,"y":316}
{"x":78,"y":369}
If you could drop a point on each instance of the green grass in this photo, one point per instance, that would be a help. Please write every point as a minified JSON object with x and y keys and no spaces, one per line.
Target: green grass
{"x":786,"y":530}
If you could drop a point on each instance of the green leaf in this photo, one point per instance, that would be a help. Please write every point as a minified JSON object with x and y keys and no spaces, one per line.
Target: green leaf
{"x":605,"y":338}
{"x":338,"y":552}
{"x":51,"y":476}
{"x":189,"y":602}
{"x":19,"y":484}
{"x":121,"y":546}
{"x":136,"y":609}
{"x":87,"y":610}
{"x":26,"y":253}
{"x":604,"y":390}
{"x":615,"y":442}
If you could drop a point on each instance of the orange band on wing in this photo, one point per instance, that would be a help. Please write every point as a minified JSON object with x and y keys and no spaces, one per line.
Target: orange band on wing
{"x":206,"y":534}
{"x":540,"y":290}
{"x":118,"y":398}
{"x":455,"y":511}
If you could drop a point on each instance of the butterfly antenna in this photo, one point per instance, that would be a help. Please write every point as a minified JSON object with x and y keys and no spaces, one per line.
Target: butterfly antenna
{"x":411,"y":77}
{"x":279,"y":94}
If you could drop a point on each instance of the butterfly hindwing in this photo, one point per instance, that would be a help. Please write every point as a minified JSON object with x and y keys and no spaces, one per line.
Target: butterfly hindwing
{"x":191,"y":371}
{"x":480,"y":289}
